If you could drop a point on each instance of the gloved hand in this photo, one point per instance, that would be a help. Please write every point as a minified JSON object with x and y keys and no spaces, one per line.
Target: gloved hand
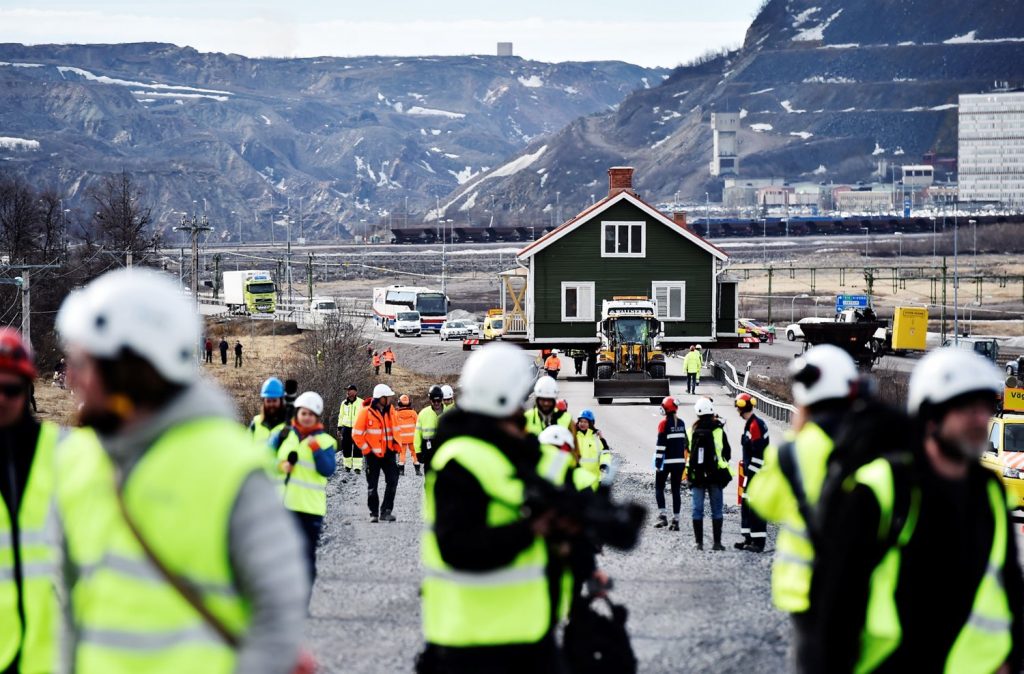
{"x":314,"y":446}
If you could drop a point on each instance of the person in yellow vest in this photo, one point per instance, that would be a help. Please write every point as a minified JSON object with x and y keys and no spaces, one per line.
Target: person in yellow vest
{"x":491,"y":592}
{"x":448,"y":396}
{"x":691,"y":365}
{"x":544,"y":412}
{"x":179,"y":555}
{"x":405,"y":432}
{"x":29,"y":613}
{"x":793,"y":473}
{"x":351,"y":457}
{"x":902,"y":519}
{"x":426,"y":425}
{"x":594,"y":453}
{"x":305,"y":459}
{"x":274,"y":416}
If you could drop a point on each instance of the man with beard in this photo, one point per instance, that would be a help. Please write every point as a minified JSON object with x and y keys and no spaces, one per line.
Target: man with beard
{"x":274,"y":417}
{"x":909,"y":520}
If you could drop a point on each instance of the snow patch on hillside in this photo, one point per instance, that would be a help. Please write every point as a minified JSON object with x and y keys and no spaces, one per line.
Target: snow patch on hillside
{"x":103,"y":79}
{"x":470,"y":202}
{"x":762,"y":91}
{"x":820,"y":79}
{"x":760,"y":128}
{"x":966,"y":38}
{"x":532,"y":82}
{"x":801,"y":134}
{"x":878,"y":150}
{"x":788,"y":107}
{"x":517,"y":164}
{"x":816,"y":33}
{"x":14,"y":143}
{"x":434,"y":112}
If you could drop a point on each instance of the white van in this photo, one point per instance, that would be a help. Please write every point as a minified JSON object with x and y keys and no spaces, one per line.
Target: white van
{"x":407,"y":324}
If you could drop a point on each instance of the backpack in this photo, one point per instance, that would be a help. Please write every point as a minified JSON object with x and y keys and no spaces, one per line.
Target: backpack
{"x":870,"y":430}
{"x":702,"y":467}
{"x":596,"y":643}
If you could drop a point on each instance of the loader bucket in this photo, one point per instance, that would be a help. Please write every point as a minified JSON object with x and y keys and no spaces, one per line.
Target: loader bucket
{"x":607,"y":389}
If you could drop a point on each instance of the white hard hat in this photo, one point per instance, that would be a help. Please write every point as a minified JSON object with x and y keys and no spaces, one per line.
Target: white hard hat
{"x":557,"y":436}
{"x":703,"y":407}
{"x":825,"y":372}
{"x":140,"y":310}
{"x":945,"y":374}
{"x":382,"y":391}
{"x":447,"y":391}
{"x":495,"y":380}
{"x":546,"y":387}
{"x":311,"y":401}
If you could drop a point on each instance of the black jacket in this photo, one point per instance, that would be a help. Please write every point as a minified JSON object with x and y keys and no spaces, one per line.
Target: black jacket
{"x":940,"y":570}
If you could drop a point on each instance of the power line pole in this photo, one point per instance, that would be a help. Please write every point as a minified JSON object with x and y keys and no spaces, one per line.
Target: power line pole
{"x":26,"y":307}
{"x":194,"y":228}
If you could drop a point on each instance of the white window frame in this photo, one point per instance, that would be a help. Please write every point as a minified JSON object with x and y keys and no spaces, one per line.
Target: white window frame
{"x":605,"y":224}
{"x":671,"y":285}
{"x":589,"y":316}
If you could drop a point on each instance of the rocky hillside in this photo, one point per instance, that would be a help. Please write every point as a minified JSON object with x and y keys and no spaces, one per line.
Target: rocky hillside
{"x":348,"y":137}
{"x":825,"y":88}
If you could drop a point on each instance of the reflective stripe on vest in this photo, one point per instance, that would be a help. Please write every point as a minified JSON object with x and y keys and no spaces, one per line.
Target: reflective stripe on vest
{"x":590,"y":451}
{"x":535,"y":424}
{"x":37,"y":540}
{"x":347,"y":413}
{"x":129,"y":618}
{"x":459,"y":606}
{"x":306,"y":490}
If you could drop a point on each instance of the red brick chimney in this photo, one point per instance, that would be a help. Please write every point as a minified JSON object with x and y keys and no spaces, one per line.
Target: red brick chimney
{"x":679,"y":217}
{"x":620,"y":179}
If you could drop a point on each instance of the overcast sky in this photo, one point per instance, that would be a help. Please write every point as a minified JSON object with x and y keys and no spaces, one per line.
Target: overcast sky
{"x":647,"y":32}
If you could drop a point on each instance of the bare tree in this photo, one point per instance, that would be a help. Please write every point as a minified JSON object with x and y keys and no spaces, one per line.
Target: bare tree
{"x":122,"y":222}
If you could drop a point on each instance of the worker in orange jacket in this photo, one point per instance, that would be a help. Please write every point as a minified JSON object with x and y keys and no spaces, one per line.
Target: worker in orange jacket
{"x":405,"y":433}
{"x":389,"y":360}
{"x":553,"y":364}
{"x":376,"y":363}
{"x":374,"y":434}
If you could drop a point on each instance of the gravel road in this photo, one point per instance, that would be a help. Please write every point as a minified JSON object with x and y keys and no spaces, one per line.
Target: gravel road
{"x":689,"y":611}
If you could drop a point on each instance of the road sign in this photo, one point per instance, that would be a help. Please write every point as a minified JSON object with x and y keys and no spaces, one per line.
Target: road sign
{"x":851,"y":302}
{"x":906,"y":207}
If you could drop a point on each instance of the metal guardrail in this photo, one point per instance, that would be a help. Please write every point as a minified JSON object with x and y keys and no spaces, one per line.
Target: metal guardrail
{"x":774,"y":409}
{"x":285,"y":311}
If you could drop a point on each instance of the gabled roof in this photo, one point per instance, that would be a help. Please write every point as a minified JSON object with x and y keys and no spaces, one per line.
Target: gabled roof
{"x":603,"y":205}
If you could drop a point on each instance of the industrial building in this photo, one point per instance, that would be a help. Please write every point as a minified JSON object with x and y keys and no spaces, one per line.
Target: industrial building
{"x":725,"y":152}
{"x":505,"y":49}
{"x":991,"y":147}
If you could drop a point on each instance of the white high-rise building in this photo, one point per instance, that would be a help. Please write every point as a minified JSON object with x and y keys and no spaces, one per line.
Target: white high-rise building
{"x":725,"y":151}
{"x":991,"y":153}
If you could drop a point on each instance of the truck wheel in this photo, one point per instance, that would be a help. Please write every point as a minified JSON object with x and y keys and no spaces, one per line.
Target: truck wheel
{"x":655,"y":401}
{"x":657,"y":371}
{"x":604,"y":401}
{"x":790,"y":335}
{"x":604,"y":372}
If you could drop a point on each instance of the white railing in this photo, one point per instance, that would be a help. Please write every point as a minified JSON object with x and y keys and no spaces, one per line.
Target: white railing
{"x":775,"y":409}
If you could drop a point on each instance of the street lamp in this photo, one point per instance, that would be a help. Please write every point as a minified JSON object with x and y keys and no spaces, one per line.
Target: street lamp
{"x":866,"y":240}
{"x":707,"y":215}
{"x":935,"y":259}
{"x":792,"y":305}
{"x":233,"y":214}
{"x":899,"y":260}
{"x":974,"y":231}
{"x":764,"y":239}
{"x":956,"y":275}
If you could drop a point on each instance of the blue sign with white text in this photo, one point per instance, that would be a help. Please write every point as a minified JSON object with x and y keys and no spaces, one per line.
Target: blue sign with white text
{"x":851,"y":302}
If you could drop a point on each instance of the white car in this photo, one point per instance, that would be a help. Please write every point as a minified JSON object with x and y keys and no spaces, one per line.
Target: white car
{"x":793,"y":331}
{"x":455,"y":330}
{"x":408,"y":324}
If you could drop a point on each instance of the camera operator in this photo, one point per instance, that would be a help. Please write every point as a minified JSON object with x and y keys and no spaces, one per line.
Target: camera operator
{"x":491,"y":592}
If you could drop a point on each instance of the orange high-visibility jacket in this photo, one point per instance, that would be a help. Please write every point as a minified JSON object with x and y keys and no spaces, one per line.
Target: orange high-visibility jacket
{"x":376,"y":360}
{"x":405,"y":431}
{"x":374,"y":431}
{"x":553,"y":363}
{"x":389,"y":356}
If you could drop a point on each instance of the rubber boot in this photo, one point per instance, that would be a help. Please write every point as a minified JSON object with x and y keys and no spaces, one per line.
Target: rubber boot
{"x":402,"y":472}
{"x":716,"y":529}
{"x":698,"y":533}
{"x":662,"y":522}
{"x":756,"y":545}
{"x":675,"y":524}
{"x":416,"y":467}
{"x":744,"y":544}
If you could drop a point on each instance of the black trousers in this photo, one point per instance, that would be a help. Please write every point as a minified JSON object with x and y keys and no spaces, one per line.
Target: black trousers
{"x":691,"y":382}
{"x":543,"y":657}
{"x":387,"y":367}
{"x":673,"y":474}
{"x":310,"y":526}
{"x":375,"y":465}
{"x":751,"y":523}
{"x":224,"y":357}
{"x":209,"y":356}
{"x":348,"y":448}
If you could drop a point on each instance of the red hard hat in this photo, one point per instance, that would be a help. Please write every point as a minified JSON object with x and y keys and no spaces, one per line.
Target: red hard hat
{"x":669,"y":404}
{"x":561,"y":405}
{"x":745,"y":401}
{"x":14,"y":355}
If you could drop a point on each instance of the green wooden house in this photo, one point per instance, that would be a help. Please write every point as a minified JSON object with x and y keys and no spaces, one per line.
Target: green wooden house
{"x":623,"y":246}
